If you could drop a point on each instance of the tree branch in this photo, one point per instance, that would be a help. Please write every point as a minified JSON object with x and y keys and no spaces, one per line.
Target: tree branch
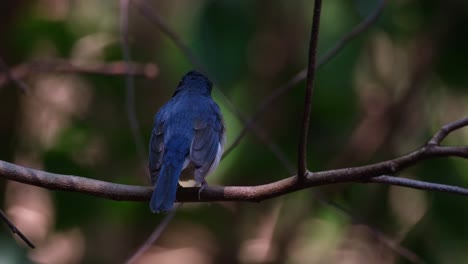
{"x":70,"y":183}
{"x":311,"y":69}
{"x":258,"y":193}
{"x":21,"y":71}
{"x":421,"y":185}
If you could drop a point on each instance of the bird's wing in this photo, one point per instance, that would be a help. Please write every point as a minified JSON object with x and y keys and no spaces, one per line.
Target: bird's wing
{"x":207,"y":144}
{"x":156,"y":149}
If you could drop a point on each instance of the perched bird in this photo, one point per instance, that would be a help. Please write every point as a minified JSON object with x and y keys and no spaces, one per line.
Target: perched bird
{"x":188,"y":134}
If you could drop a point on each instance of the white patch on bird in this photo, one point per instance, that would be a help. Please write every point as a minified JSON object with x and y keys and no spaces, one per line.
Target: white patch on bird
{"x":186,"y":162}
{"x":215,"y":163}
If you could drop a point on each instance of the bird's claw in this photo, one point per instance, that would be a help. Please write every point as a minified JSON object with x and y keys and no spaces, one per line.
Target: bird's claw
{"x":203,"y":185}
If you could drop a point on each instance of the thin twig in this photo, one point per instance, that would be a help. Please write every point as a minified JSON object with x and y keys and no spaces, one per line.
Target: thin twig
{"x":420,"y":185}
{"x":129,"y":82}
{"x":228,"y":193}
{"x":15,"y":230}
{"x":311,"y":69}
{"x":301,"y":75}
{"x":154,"y":236}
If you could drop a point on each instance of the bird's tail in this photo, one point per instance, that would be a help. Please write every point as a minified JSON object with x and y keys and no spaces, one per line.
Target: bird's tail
{"x":175,"y":153}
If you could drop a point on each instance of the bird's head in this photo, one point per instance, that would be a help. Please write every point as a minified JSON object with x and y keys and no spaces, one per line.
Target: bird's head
{"x":194,"y":82}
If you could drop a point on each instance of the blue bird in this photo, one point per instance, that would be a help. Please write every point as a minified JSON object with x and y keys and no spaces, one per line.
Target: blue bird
{"x":187,"y":135}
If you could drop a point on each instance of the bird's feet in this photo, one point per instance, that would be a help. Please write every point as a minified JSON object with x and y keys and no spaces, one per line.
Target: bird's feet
{"x":203,"y":185}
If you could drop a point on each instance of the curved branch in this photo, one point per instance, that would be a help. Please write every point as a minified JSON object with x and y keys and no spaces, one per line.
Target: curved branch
{"x":446,"y":130}
{"x":235,"y":193}
{"x":71,"y":183}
